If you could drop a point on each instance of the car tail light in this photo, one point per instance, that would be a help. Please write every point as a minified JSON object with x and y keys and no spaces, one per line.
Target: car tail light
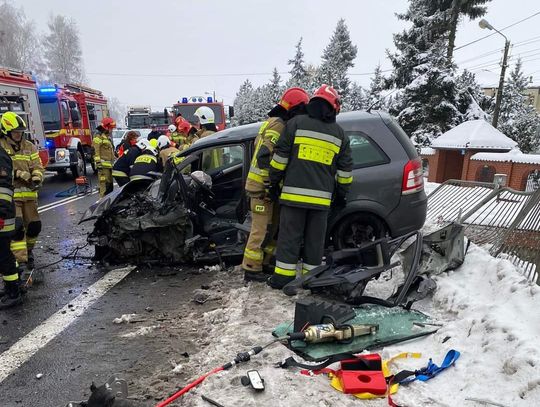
{"x":413,"y":179}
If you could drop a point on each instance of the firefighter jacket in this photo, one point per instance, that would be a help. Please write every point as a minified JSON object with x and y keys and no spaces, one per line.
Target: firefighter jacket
{"x":165,"y":153}
{"x":202,"y":133}
{"x":122,"y":166}
{"x":311,"y":157}
{"x":269,"y":132}
{"x":27,"y":168}
{"x":179,"y":139}
{"x":144,"y":163}
{"x":104,"y":151}
{"x":7,"y":206}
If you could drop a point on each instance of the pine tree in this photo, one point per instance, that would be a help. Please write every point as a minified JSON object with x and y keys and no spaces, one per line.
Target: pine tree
{"x":63,"y":51}
{"x":470,"y":8}
{"x":473,"y":103}
{"x":275,"y":89}
{"x":244,"y":108}
{"x":376,"y":87}
{"x":337,"y":58}
{"x":518,"y":118}
{"x":356,"y":100}
{"x":299,"y":75}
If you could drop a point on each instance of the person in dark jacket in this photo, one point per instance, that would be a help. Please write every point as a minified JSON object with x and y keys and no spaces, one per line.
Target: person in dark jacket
{"x":122,"y":166}
{"x":146,"y":162}
{"x":313,"y":160}
{"x":10,"y":295}
{"x":130,"y":139}
{"x":154,"y":134}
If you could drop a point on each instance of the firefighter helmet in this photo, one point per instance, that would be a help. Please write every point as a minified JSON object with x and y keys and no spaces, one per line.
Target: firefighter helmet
{"x":108,"y":123}
{"x":329,"y":94}
{"x":171,"y":128}
{"x":11,"y":121}
{"x":293,"y":97}
{"x":153,"y":143}
{"x":205,"y":115}
{"x":183,"y":125}
{"x":163,"y":141}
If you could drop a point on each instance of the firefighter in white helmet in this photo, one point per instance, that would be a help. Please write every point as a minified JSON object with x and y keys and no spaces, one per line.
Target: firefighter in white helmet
{"x":206,"y":121}
{"x":165,"y":149}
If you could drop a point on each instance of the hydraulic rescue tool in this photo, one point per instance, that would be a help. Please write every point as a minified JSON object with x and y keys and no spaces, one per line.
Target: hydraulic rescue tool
{"x":330,"y":333}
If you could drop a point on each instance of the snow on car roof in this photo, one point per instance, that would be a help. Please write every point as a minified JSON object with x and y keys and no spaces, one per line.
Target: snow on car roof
{"x":514,"y":156}
{"x":474,"y":134}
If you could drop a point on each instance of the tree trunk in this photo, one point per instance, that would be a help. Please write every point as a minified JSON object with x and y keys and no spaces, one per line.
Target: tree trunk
{"x":454,"y":19}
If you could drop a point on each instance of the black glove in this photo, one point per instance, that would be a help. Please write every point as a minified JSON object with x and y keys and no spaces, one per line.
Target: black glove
{"x":340,"y":201}
{"x":273,"y":193}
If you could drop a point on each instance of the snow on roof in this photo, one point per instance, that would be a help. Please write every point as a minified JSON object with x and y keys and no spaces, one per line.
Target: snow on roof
{"x":427,"y":151}
{"x":514,"y":156}
{"x":474,"y":134}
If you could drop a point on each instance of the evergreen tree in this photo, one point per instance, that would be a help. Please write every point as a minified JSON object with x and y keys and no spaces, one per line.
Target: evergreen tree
{"x":470,"y":8}
{"x":473,"y":103}
{"x":356,"y":100}
{"x":244,"y":108}
{"x":374,"y":94}
{"x":337,"y":58}
{"x":299,"y":75}
{"x":275,"y":89}
{"x":518,"y":118}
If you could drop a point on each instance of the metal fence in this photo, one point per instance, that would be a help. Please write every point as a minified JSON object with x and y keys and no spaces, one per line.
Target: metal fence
{"x":505,"y":220}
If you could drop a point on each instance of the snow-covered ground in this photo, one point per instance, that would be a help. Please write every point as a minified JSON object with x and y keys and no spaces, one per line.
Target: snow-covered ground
{"x":488,"y":312}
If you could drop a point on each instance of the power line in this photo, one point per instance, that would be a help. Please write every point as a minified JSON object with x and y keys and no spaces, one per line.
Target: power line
{"x":502,"y":29}
{"x":495,"y":51}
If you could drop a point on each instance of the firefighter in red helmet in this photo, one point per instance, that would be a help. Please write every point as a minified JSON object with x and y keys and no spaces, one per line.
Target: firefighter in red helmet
{"x":104,"y":155}
{"x":264,"y":213}
{"x":312,"y":160}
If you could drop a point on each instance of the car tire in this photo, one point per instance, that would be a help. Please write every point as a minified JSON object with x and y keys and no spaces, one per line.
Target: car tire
{"x":358,"y":228}
{"x":80,"y":168}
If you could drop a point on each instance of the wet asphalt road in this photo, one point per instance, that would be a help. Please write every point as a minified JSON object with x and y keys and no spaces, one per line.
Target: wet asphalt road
{"x":91,"y":348}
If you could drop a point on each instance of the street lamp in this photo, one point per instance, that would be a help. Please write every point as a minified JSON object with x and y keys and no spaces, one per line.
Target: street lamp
{"x":483,"y":23}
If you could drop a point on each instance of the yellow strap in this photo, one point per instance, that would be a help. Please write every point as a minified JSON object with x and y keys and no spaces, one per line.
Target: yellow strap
{"x":11,"y":277}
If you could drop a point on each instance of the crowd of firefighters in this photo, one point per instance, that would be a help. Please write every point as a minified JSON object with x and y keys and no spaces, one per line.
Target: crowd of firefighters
{"x":301,"y":167}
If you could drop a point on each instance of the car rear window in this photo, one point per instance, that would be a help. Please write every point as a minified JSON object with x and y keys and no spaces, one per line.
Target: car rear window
{"x":365,"y":152}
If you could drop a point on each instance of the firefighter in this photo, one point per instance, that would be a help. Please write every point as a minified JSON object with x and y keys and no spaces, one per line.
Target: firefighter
{"x":104,"y":155}
{"x":130,"y":139}
{"x":265,"y":213}
{"x":313,"y":160}
{"x":165,"y":150}
{"x":122,"y":166}
{"x":180,"y":136}
{"x":206,"y":121}
{"x":154,"y":134}
{"x":27,"y":179}
{"x":10,"y":295}
{"x":145,"y":163}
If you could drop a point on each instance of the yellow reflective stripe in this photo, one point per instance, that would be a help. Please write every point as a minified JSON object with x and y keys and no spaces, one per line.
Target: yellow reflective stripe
{"x":256,"y":178}
{"x":277,"y":166}
{"x":97,"y":158}
{"x":285,"y":269}
{"x":279,"y":159}
{"x":270,"y":249}
{"x":37,"y":173}
{"x":31,"y":240}
{"x":31,"y":194}
{"x":138,"y":177}
{"x":18,"y":245}
{"x":20,"y":157}
{"x":146,"y":159}
{"x":344,"y":174}
{"x":306,"y":199}
{"x":308,"y":192}
{"x":256,"y":255}
{"x":97,"y":140}
{"x":34,"y":156}
{"x":272,"y":135}
{"x":6,"y":191}
{"x":106,"y":164}
{"x":259,"y":171}
{"x":6,"y":197}
{"x":317,"y":143}
{"x":263,"y":127}
{"x":343,"y":180}
{"x":319,"y":136}
{"x":117,"y":173}
{"x":11,"y":277}
{"x":178,"y":160}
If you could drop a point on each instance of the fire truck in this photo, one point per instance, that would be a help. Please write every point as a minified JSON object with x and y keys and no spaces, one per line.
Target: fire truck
{"x":142,"y":117}
{"x":186,"y":108}
{"x":18,"y":93}
{"x":70,"y":115}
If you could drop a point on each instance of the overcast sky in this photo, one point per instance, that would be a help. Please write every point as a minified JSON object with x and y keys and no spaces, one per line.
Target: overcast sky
{"x":227,"y":40}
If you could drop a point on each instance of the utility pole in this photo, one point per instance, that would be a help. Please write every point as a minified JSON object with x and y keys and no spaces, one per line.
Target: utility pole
{"x":497,"y":110}
{"x":483,"y":23}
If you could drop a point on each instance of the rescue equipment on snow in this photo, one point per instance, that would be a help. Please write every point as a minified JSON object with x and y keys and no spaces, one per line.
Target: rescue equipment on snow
{"x":330,"y":333}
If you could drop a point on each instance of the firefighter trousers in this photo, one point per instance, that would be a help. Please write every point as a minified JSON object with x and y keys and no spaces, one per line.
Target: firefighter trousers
{"x":261,"y":242}
{"x":105,"y":181}
{"x":8,"y":266}
{"x":27,"y":229}
{"x":297,"y":227}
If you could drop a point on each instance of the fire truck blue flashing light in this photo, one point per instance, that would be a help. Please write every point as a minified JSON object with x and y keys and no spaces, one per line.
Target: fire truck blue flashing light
{"x":49,"y":143}
{"x":184,"y":100}
{"x":47,"y":90}
{"x":209,"y":99}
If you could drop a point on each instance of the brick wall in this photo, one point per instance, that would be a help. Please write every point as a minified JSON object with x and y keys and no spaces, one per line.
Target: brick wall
{"x":517,"y":173}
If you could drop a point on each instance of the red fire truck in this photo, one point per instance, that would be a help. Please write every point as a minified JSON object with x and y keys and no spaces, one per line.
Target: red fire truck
{"x":70,"y":115}
{"x":18,"y":93}
{"x":186,"y":108}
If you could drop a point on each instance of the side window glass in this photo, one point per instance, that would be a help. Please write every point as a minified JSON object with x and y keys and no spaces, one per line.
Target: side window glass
{"x":220,"y":158}
{"x":365,"y":152}
{"x":65,"y":112}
